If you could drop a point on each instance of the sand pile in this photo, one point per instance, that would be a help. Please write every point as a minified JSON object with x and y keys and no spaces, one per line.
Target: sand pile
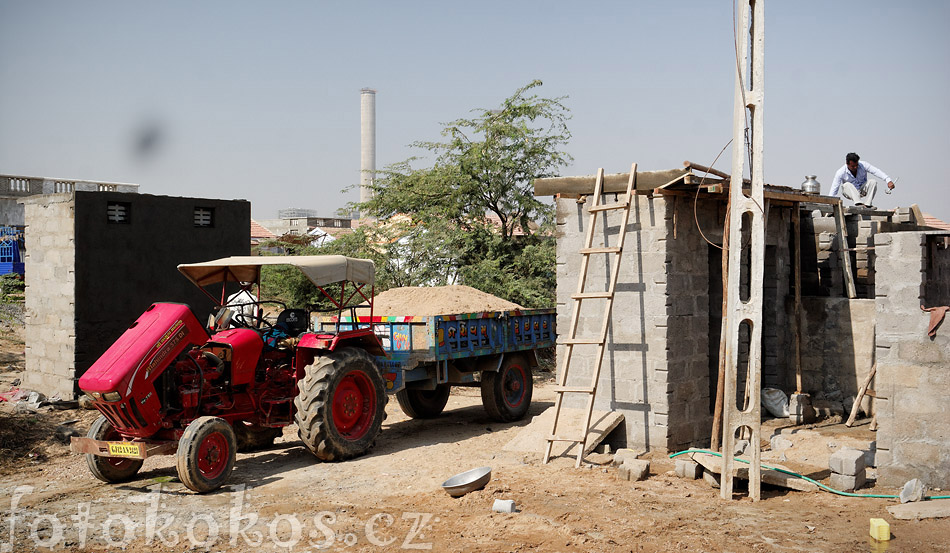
{"x":437,"y":300}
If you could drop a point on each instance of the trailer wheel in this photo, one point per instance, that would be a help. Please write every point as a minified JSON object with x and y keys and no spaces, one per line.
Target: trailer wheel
{"x":341,"y":405}
{"x":423,"y":404}
{"x":506,"y":394}
{"x":206,"y":454}
{"x":109,"y":469}
{"x":251,"y":437}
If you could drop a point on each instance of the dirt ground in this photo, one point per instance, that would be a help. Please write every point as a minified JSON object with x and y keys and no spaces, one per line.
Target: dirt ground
{"x":282,"y":499}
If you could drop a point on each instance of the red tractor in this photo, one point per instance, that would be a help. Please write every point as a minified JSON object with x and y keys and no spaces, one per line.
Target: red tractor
{"x":170,"y":385}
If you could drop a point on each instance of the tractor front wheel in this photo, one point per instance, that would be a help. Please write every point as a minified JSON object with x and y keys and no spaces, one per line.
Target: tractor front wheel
{"x":506,"y":394}
{"x":206,"y":454}
{"x":109,"y":469}
{"x":341,"y":404}
{"x":424,"y":404}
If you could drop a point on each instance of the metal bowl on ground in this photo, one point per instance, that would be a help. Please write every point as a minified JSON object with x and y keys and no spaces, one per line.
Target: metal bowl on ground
{"x":468,"y":481}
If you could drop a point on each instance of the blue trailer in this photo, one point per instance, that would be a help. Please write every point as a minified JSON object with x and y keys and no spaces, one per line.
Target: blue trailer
{"x":426,"y":356}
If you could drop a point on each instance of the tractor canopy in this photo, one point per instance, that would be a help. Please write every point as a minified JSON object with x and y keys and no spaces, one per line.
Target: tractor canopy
{"x":320,"y":269}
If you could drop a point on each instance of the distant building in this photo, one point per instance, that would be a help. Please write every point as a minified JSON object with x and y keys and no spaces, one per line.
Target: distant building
{"x":14,"y":187}
{"x":333,"y":226}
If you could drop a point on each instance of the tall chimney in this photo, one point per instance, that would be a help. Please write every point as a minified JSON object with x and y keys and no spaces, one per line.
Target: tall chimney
{"x":367,"y":143}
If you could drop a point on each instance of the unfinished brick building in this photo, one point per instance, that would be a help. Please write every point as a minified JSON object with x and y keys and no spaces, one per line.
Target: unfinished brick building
{"x":97,"y":260}
{"x":661,"y":363}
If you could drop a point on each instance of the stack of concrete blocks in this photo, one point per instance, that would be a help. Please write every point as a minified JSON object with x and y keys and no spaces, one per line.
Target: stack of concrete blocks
{"x":912,"y":374}
{"x":629,"y":467}
{"x":50,"y":297}
{"x":864,"y":257}
{"x":829,"y":262}
{"x":656,"y":367}
{"x":848,"y":471}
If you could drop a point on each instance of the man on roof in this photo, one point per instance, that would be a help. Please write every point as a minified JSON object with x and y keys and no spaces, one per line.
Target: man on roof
{"x":852,"y":180}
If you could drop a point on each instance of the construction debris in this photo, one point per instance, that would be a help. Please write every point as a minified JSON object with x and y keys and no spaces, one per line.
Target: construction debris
{"x":634,"y":469}
{"x":934,"y":508}
{"x":914,"y":490}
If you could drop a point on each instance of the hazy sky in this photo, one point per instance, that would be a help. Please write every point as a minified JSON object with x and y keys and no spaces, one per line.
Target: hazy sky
{"x":260,"y":100}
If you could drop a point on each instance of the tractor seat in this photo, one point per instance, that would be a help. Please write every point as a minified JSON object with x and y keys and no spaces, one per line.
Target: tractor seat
{"x":293,"y":321}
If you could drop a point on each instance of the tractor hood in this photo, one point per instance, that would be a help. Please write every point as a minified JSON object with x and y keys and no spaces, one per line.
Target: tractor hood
{"x":320,"y":269}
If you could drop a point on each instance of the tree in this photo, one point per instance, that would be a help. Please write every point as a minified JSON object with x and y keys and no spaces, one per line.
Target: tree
{"x":484,"y":167}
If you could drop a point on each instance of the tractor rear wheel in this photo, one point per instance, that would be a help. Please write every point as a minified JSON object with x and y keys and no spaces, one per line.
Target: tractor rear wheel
{"x":423,"y":404}
{"x":506,"y":394}
{"x":109,"y":469}
{"x":206,"y":454}
{"x":251,"y":437}
{"x":341,"y":404}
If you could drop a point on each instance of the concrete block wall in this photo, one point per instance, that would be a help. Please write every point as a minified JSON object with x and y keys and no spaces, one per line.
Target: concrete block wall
{"x":633,"y":377}
{"x":837,"y":345}
{"x":50,"y":295}
{"x":914,"y":421}
{"x":88,"y":279}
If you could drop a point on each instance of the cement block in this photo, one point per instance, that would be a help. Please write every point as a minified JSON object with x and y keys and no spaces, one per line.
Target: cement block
{"x":849,"y":462}
{"x":634,"y":469}
{"x":846,"y":483}
{"x":625,"y":454}
{"x":711,"y":478}
{"x":686,"y":468}
{"x":800,"y":410}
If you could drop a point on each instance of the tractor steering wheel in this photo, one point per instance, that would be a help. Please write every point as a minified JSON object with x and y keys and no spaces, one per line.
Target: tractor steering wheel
{"x":257,"y":322}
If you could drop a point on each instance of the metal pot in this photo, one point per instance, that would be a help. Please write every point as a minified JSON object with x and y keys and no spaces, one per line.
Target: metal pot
{"x":811,"y":185}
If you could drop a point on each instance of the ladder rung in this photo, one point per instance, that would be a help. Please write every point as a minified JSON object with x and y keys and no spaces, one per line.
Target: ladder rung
{"x":574,"y":389}
{"x":599,"y":250}
{"x":580,"y":341}
{"x":590,"y":295}
{"x":563,"y":439}
{"x":605,"y":207}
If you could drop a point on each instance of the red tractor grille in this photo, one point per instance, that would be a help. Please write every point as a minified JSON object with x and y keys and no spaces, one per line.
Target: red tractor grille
{"x":121,"y":416}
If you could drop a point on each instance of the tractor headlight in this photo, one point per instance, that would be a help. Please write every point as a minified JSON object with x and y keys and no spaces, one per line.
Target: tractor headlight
{"x":111,"y":396}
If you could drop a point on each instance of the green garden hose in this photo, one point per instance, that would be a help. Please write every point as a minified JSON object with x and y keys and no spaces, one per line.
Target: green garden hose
{"x":807,"y":479}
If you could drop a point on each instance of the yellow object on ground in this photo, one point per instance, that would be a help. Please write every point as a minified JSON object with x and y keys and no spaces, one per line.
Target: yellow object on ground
{"x":880,"y":529}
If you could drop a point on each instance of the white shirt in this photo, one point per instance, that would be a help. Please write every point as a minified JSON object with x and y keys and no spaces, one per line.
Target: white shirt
{"x":238,"y":303}
{"x":859,"y":180}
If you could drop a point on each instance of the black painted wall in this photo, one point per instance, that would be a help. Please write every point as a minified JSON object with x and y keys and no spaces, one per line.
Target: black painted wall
{"x":122,"y":268}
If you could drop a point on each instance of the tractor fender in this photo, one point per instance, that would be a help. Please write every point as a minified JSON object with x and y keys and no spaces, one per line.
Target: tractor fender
{"x":311,"y":344}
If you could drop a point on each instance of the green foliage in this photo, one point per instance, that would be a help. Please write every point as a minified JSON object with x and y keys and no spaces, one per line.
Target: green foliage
{"x":483,"y":168}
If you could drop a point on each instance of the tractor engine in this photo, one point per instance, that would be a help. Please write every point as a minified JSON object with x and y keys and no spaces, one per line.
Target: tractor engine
{"x":122,"y":382}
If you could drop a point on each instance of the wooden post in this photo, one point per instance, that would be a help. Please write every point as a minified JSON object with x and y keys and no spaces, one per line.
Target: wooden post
{"x":797,"y":256}
{"x":715,"y":439}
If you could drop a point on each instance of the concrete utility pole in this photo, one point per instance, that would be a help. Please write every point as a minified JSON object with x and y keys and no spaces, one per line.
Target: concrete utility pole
{"x":747,"y":216}
{"x":367,"y":143}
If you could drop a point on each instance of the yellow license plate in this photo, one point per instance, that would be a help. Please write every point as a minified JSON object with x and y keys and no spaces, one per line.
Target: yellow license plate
{"x":125,"y":449}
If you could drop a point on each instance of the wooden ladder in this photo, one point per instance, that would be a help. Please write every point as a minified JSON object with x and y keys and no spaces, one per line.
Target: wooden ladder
{"x":842,"y":230}
{"x":600,"y":341}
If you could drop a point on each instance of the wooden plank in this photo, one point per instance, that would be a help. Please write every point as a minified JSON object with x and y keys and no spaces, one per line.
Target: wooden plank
{"x":918,"y":215}
{"x":613,"y":183}
{"x":532,"y":438}
{"x":741,"y":471}
{"x":797,"y":322}
{"x":861,"y":391}
{"x":842,"y":229}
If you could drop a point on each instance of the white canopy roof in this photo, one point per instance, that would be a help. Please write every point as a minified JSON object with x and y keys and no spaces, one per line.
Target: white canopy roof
{"x":320,"y":269}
